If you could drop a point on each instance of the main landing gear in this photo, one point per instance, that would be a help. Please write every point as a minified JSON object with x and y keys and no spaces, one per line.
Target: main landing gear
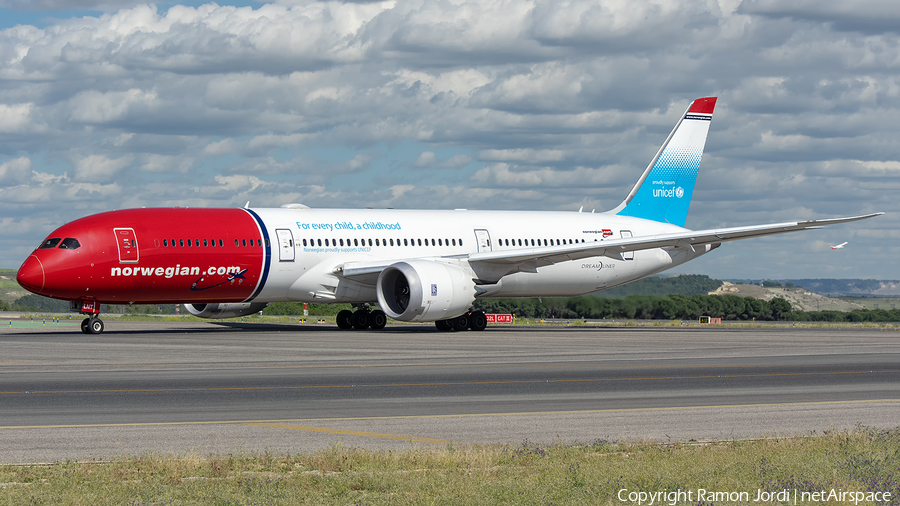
{"x":476,"y":320}
{"x":361,"y":319}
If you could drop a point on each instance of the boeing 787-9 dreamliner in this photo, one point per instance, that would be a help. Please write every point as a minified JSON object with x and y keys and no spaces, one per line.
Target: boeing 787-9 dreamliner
{"x":417,"y":265}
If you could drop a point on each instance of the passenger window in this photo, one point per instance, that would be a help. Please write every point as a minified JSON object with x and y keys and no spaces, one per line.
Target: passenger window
{"x":165,"y":243}
{"x":405,"y":242}
{"x":320,"y":242}
{"x":392,"y":241}
{"x":432,"y":242}
{"x":356,"y":242}
{"x":189,"y":243}
{"x":420,"y":241}
{"x":181,"y":242}
{"x":377,"y":242}
{"x":69,"y":243}
{"x":50,"y":243}
{"x":460,"y":242}
{"x":205,"y":244}
{"x":454,"y":242}
{"x":244,"y":242}
{"x":342,"y":242}
{"x":440,"y":243}
{"x":370,"y":242}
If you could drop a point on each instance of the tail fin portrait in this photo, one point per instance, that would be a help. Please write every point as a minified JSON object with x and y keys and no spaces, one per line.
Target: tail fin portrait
{"x":663,"y":193}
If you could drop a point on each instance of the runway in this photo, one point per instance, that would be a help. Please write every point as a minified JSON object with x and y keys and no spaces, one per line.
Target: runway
{"x":229,"y":387}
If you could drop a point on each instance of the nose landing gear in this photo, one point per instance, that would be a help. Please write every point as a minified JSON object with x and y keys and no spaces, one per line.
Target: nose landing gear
{"x":92,"y":324}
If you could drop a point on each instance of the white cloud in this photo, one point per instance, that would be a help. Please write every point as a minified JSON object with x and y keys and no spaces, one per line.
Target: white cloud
{"x":559,"y":104}
{"x":16,"y":171}
{"x":99,"y":168}
{"x":527,"y":155}
{"x":426,"y":159}
{"x":16,"y":118}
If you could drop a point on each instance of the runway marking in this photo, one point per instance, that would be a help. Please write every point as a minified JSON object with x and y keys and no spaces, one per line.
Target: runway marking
{"x":414,"y":439}
{"x":460,"y":415}
{"x":449,"y":383}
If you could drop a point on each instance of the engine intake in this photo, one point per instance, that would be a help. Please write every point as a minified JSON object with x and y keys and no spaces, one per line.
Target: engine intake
{"x":424,"y":291}
{"x":225,"y":310}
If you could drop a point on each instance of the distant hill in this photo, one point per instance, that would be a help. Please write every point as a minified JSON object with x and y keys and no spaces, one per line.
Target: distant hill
{"x":682,"y":284}
{"x":839,"y":287}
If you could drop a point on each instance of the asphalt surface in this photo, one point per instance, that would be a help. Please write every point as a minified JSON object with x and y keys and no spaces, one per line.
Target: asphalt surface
{"x":227,"y":387}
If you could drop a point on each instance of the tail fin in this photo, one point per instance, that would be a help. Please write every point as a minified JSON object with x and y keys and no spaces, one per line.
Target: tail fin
{"x":663,"y":193}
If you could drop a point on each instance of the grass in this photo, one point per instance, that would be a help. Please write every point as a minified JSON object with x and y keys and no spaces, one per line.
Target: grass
{"x":864,"y":460}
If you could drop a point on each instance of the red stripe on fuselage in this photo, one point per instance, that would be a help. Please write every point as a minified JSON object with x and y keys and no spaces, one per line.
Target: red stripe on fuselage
{"x":167,"y":270}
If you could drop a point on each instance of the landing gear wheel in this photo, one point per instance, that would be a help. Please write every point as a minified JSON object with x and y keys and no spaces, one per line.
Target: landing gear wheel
{"x":443,"y":325}
{"x":85,"y":328}
{"x":377,"y":319}
{"x":95,"y":326}
{"x":343,"y":319}
{"x":360,"y":320}
{"x":461,"y":322}
{"x":477,"y":320}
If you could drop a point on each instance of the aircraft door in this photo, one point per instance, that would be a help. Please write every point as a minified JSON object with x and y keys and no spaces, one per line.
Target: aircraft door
{"x":483,"y":240}
{"x":127,"y":244}
{"x":628,"y":255}
{"x":285,"y":245}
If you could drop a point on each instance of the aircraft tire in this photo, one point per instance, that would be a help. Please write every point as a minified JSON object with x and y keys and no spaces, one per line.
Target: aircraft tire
{"x":95,"y":326}
{"x":377,"y":319}
{"x":343,"y":319}
{"x":477,"y":320}
{"x":84,"y":326}
{"x":460,"y":323}
{"x":360,"y":320}
{"x":443,"y":325}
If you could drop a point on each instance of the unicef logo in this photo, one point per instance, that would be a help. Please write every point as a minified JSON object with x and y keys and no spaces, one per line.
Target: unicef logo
{"x":679,"y":192}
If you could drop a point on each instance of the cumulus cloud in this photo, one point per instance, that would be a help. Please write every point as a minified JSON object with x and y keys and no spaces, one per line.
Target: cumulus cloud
{"x":501,"y":104}
{"x":14,"y":172}
{"x":99,"y":168}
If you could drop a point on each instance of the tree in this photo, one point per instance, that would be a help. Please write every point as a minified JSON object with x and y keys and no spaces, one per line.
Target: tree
{"x":780,"y":308}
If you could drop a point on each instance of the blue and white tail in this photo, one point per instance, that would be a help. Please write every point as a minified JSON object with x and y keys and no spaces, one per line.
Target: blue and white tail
{"x":663,"y":193}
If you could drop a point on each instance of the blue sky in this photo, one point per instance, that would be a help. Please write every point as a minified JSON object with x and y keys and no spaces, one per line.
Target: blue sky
{"x":444,"y":104}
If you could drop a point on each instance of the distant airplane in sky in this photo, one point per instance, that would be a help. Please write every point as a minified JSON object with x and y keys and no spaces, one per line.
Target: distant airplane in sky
{"x":418,"y":265}
{"x":839,"y":246}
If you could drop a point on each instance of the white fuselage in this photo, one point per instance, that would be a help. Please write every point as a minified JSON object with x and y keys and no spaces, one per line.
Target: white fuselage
{"x":308,"y":245}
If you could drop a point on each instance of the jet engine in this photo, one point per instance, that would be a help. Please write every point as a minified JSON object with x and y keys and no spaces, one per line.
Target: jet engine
{"x":225,"y":310}
{"x":424,"y":291}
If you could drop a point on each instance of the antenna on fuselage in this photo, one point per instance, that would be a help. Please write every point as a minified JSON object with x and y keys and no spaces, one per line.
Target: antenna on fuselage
{"x":247,"y":205}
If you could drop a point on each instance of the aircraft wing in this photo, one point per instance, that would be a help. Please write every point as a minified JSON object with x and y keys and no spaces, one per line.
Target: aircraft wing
{"x":531,"y":258}
{"x":613,"y":248}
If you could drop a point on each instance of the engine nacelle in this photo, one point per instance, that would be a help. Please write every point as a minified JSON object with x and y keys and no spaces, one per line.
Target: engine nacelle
{"x":424,"y":291}
{"x":225,"y":310}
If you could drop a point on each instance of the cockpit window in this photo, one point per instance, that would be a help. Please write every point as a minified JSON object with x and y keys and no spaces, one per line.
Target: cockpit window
{"x":69,"y":243}
{"x":50,"y":243}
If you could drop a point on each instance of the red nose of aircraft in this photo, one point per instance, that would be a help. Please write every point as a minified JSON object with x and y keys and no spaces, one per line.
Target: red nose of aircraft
{"x":31,"y":275}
